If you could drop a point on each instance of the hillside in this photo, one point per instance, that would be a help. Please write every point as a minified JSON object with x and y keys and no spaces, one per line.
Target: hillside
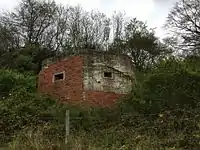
{"x":161,"y":112}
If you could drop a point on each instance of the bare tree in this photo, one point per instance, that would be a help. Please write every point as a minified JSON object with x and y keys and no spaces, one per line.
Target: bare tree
{"x":87,"y":29}
{"x":184,"y":23}
{"x":9,"y":40}
{"x":118,"y":25}
{"x":39,"y":22}
{"x":100,"y":28}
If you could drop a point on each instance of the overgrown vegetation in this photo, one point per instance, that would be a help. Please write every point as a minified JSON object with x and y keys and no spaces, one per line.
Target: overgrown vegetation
{"x":162,"y":111}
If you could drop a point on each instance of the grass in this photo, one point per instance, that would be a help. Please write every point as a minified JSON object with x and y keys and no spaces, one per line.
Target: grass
{"x":35,"y":140}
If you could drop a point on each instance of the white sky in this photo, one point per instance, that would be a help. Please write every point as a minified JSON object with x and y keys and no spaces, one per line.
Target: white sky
{"x":152,"y":11}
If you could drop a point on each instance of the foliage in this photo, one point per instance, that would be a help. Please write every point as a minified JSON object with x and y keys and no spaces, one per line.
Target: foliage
{"x":11,"y":80}
{"x":141,"y":44}
{"x":172,"y":90}
{"x":21,"y":107}
{"x":171,"y":83}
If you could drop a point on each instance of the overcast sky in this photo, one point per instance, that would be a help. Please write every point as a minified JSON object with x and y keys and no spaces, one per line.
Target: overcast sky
{"x":152,"y":11}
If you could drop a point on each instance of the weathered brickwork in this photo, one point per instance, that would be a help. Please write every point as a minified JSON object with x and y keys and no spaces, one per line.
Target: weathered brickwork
{"x":103,"y":99}
{"x":69,"y":89}
{"x":77,"y":83}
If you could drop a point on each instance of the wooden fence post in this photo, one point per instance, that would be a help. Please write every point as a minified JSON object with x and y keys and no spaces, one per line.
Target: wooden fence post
{"x":67,"y":126}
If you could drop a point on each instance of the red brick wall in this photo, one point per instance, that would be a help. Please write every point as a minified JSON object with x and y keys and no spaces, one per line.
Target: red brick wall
{"x":103,"y":99}
{"x":70,"y":89}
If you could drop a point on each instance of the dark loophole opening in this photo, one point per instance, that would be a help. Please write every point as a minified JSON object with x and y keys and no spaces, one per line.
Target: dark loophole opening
{"x":59,"y":76}
{"x":108,"y":74}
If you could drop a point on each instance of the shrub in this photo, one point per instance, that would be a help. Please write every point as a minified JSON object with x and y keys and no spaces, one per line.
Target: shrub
{"x":10,"y":80}
{"x":23,"y":109}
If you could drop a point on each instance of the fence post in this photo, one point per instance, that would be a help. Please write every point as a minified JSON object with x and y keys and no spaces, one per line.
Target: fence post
{"x":67,"y":126}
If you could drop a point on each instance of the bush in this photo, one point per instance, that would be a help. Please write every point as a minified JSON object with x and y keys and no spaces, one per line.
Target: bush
{"x":22,"y":109}
{"x":172,"y":83}
{"x":171,"y":90}
{"x":10,"y":80}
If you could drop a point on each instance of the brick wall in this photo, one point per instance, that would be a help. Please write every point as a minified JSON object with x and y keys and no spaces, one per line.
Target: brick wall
{"x":71,"y":88}
{"x":102,"y":99}
{"x":67,"y":90}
